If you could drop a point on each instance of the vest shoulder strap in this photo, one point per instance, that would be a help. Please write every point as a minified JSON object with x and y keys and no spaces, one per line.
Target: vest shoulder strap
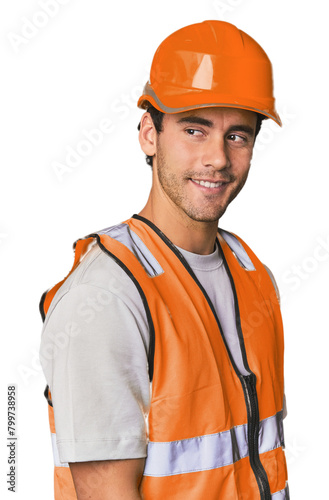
{"x":237,"y":249}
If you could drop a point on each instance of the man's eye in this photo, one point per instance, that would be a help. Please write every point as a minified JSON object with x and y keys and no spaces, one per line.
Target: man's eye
{"x":193,"y":131}
{"x":236,"y":138}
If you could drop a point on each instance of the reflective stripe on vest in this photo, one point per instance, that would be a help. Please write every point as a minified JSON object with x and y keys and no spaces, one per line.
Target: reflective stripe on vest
{"x":282,"y":494}
{"x":57,"y":461}
{"x":208,"y":423}
{"x":212,"y":451}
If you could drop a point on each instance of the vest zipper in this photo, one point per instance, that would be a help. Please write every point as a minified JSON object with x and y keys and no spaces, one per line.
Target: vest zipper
{"x":249,"y":387}
{"x":248,"y":382}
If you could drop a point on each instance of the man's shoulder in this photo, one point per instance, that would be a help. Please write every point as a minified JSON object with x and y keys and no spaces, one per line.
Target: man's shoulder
{"x":95,"y":269}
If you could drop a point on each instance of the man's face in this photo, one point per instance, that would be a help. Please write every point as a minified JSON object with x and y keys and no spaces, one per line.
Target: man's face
{"x":202,"y":160}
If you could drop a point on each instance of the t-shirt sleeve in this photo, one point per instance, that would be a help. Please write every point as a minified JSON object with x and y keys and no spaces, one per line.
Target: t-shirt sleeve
{"x":98,"y":376}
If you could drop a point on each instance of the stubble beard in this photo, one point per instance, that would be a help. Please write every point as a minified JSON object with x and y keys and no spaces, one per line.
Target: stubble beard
{"x":172,"y":185}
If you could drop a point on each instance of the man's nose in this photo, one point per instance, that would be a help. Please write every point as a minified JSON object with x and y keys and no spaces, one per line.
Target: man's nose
{"x":215,"y":154}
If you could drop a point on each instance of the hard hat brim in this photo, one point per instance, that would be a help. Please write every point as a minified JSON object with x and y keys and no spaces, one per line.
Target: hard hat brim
{"x":185,"y":100}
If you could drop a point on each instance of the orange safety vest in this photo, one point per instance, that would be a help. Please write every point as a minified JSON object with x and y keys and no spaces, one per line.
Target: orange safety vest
{"x":214,"y":433}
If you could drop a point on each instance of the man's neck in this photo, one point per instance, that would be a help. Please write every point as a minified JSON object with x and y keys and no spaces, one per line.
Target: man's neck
{"x":193,"y":236}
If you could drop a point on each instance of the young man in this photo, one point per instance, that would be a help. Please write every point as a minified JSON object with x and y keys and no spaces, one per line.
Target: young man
{"x":165,"y":379}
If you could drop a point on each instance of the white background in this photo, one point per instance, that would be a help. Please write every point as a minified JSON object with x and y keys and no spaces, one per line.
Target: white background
{"x":89,"y":62}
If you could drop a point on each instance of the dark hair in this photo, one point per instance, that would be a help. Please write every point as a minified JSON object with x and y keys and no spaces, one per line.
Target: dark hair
{"x":259,"y":122}
{"x":157,"y":118}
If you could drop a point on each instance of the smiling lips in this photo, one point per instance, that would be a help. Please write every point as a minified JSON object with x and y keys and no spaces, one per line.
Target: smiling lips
{"x":209,"y":184}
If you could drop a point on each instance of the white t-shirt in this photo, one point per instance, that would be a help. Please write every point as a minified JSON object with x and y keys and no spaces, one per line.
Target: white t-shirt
{"x":94,"y":354}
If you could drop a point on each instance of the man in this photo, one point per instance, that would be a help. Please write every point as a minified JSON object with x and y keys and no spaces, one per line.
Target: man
{"x":168,"y":379}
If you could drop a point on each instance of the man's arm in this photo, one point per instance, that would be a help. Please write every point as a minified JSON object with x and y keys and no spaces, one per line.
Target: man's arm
{"x":108,"y":479}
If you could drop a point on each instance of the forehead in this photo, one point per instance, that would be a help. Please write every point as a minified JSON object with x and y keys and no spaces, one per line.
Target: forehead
{"x":215,"y":115}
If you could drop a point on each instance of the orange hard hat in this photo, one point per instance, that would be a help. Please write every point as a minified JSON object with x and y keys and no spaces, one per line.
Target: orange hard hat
{"x":208,"y":64}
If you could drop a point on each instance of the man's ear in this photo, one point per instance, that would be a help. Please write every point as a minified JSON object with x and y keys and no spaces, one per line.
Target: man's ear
{"x":147,"y":135}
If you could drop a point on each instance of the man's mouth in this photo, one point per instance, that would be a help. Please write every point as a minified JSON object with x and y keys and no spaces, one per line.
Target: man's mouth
{"x":208,"y":184}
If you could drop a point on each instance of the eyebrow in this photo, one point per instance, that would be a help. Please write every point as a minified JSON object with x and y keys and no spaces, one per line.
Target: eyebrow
{"x":198,"y":120}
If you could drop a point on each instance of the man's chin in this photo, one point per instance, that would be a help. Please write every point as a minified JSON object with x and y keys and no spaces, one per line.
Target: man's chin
{"x":207,"y":218}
